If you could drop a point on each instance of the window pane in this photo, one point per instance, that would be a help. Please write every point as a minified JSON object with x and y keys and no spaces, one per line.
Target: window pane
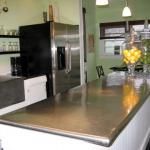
{"x":113,"y":46}
{"x":109,"y":50}
{"x":138,"y":27}
{"x":109,"y":32}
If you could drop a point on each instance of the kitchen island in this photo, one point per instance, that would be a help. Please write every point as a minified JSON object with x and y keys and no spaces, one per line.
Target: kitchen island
{"x":107,"y":114}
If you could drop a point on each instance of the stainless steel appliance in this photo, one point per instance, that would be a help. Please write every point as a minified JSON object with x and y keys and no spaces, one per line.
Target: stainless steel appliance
{"x":66,"y":57}
{"x":52,"y":49}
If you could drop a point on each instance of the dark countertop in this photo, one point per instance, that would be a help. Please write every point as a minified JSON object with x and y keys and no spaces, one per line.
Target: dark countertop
{"x":95,"y":112}
{"x":5,"y":78}
{"x":11,"y":90}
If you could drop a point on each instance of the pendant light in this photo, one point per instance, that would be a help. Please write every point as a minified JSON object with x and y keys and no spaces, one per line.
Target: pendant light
{"x":126,"y":11}
{"x":101,"y":2}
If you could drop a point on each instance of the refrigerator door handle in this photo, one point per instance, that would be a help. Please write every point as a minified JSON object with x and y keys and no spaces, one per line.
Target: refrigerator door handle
{"x":69,"y":50}
{"x":68,"y":58}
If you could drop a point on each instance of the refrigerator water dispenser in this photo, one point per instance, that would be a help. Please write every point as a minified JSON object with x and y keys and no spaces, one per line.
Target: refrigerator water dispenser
{"x":61,"y":60}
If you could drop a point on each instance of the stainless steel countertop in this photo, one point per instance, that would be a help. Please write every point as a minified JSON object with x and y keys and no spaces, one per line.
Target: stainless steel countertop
{"x":95,"y":112}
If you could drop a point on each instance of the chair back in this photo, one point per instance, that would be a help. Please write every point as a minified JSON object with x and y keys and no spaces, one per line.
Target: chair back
{"x":100,"y":71}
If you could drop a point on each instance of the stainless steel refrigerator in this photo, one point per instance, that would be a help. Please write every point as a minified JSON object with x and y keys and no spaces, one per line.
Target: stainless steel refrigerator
{"x":52,"y":49}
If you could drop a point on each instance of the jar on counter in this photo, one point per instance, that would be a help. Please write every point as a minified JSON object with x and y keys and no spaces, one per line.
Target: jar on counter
{"x":131,"y":51}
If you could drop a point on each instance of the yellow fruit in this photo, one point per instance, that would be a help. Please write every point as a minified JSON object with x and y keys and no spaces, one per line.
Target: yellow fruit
{"x":132,"y":58}
{"x":128,"y":54}
{"x":136,"y":53}
{"x":132,"y":51}
{"x":125,"y":52}
{"x":132,"y":55}
{"x":125,"y":60}
{"x":132,"y":61}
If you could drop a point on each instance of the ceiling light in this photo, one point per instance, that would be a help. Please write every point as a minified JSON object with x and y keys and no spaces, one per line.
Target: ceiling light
{"x":126,"y":11}
{"x":101,"y":2}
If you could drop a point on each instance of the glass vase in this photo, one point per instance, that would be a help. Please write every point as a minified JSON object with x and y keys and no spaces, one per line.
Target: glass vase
{"x":131,"y":51}
{"x":131,"y":69}
{"x":145,"y":68}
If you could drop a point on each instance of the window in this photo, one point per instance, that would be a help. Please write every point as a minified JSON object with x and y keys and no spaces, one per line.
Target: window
{"x":112,"y":30}
{"x":112,"y":35}
{"x":113,"y":46}
{"x":137,"y":25}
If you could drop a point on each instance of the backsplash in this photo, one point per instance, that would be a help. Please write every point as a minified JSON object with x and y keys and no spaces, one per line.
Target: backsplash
{"x":5,"y":67}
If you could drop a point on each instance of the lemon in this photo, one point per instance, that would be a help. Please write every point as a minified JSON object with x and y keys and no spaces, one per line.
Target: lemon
{"x":125,"y":51}
{"x":132,"y":55}
{"x":125,"y":60}
{"x":132,"y":61}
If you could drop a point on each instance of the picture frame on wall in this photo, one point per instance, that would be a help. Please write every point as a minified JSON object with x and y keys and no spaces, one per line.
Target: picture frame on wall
{"x":91,"y":43}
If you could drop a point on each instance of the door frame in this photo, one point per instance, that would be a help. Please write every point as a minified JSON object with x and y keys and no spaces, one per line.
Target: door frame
{"x":81,"y":33}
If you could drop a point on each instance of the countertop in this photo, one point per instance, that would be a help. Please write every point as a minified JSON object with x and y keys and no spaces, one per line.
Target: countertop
{"x":96,"y":112}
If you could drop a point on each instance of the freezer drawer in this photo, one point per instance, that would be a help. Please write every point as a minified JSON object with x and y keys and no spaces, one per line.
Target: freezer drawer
{"x":35,"y":89}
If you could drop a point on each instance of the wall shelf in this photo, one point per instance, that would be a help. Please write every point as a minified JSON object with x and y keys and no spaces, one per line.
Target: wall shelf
{"x":10,"y":52}
{"x":9,"y":36}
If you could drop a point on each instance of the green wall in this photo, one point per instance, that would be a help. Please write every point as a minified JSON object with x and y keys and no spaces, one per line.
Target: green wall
{"x":90,"y":30}
{"x":111,"y":13}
